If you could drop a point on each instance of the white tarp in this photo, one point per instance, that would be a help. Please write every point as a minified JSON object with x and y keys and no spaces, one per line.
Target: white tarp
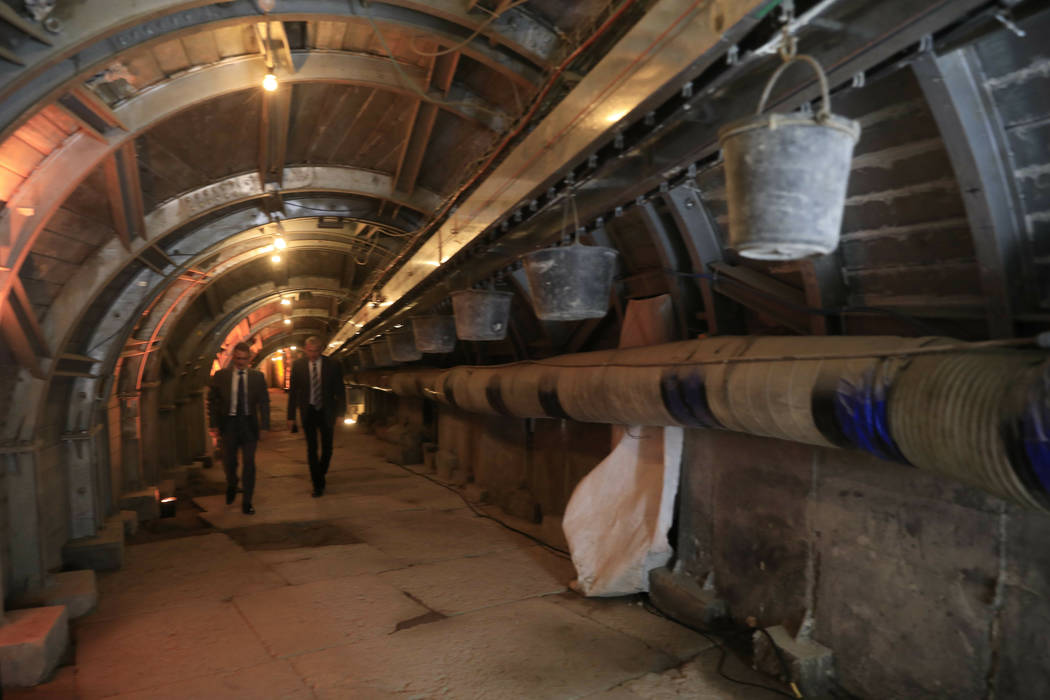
{"x":617,"y":520}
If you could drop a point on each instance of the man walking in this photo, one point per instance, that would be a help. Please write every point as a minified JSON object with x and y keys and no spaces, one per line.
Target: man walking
{"x":238,"y":406}
{"x":316,"y":390}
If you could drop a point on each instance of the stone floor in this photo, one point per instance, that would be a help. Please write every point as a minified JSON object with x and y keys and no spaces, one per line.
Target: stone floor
{"x":388,"y":586}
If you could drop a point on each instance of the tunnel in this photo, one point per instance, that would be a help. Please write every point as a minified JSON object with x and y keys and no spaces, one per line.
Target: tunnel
{"x":593,"y":435}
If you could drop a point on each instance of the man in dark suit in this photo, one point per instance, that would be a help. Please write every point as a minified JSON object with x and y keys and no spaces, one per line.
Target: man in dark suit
{"x":238,"y":406}
{"x":316,"y":391}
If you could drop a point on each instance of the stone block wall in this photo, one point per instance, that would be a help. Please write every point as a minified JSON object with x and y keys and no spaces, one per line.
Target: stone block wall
{"x":922,"y":587}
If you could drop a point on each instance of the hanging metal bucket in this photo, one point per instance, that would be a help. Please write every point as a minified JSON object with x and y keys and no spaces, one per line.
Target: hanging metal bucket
{"x":382,"y":354}
{"x":481,"y":314}
{"x":786,"y":177}
{"x":434,"y":334}
{"x":402,"y":347}
{"x":570,"y":283}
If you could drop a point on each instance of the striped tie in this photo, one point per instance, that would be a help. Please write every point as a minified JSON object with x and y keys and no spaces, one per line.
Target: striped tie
{"x":315,"y":384}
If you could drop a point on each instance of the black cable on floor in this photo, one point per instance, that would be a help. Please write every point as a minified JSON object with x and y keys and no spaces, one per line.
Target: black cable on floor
{"x":710,"y":635}
{"x":482,"y":514}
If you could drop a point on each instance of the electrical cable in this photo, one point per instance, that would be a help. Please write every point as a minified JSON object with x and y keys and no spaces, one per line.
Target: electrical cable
{"x":711,"y":635}
{"x":482,"y":514}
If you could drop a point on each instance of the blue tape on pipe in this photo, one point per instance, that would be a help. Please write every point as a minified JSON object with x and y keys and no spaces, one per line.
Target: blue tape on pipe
{"x":861,"y":411}
{"x":1035,"y":428}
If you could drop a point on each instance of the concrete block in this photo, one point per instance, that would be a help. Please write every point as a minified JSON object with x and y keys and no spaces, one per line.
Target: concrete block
{"x":522,"y":504}
{"x":76,"y":590}
{"x":166,"y":488}
{"x":31,"y":644}
{"x":179,"y":475}
{"x":811,"y":665}
{"x":446,"y":462}
{"x":103,"y":552}
{"x":146,"y":503}
{"x":682,"y":598}
{"x":131,"y":522}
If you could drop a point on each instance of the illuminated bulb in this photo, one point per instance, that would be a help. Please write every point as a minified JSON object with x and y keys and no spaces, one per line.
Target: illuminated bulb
{"x":287,"y":321}
{"x":292,"y":347}
{"x":286,"y":302}
{"x":349,"y":421}
{"x":269,"y":82}
{"x":276,"y":258}
{"x":279,"y":243}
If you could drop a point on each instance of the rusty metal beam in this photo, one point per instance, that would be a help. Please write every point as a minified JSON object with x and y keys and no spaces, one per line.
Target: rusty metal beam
{"x":21,"y":331}
{"x":125,"y":193}
{"x":90,"y":112}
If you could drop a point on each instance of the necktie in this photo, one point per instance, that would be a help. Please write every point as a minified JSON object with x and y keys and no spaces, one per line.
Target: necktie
{"x":315,"y":384}
{"x":241,"y":400}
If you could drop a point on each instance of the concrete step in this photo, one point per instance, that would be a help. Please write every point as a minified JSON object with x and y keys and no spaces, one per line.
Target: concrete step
{"x":31,"y":644}
{"x":103,"y":552}
{"x":131,"y":522}
{"x":76,"y":590}
{"x":145,"y":502}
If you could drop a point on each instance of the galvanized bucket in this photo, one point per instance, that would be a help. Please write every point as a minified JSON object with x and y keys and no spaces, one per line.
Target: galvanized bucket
{"x":570,"y":283}
{"x":435,"y":334}
{"x":786,"y":177}
{"x":481,"y":314}
{"x":402,"y":347}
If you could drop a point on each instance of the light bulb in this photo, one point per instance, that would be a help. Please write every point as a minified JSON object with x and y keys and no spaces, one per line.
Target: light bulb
{"x":279,"y":243}
{"x":276,"y":258}
{"x":269,"y":82}
{"x":292,"y":347}
{"x":286,"y":302}
{"x":287,"y":321}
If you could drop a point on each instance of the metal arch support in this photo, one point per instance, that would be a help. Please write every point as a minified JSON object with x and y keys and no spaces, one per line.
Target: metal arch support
{"x":673,"y":263}
{"x":975,"y":143}
{"x":90,"y":280}
{"x":50,"y":184}
{"x":91,"y":39}
{"x":703,"y":245}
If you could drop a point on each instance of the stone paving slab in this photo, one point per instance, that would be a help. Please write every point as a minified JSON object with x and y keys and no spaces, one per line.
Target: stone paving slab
{"x":528,"y":649}
{"x":629,"y":616}
{"x":276,"y":680}
{"x":312,"y":616}
{"x":697,"y":679}
{"x":423,"y":536}
{"x":308,"y":564}
{"x":139,"y":652}
{"x":178,"y":572}
{"x":460,"y":585}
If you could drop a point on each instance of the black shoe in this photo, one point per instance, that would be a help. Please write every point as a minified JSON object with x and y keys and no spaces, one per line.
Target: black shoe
{"x":247,"y":510}
{"x":230,"y":495}
{"x":317,"y":493}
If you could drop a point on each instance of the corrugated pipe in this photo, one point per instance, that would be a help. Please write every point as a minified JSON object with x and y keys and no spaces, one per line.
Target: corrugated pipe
{"x":978,"y":414}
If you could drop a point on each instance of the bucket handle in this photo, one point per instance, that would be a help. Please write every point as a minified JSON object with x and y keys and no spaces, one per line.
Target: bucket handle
{"x":825,"y":108}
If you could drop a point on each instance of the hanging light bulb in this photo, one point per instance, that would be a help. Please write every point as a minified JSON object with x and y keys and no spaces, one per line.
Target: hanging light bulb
{"x":286,"y":302}
{"x":269,"y":82}
{"x":287,"y":321}
{"x":279,"y":243}
{"x":276,"y":258}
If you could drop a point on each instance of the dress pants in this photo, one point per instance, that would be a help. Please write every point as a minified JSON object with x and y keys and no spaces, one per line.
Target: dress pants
{"x":240,"y":432}
{"x":313,"y":423}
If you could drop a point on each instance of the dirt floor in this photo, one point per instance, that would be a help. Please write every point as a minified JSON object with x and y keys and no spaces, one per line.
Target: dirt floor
{"x":388,"y":586}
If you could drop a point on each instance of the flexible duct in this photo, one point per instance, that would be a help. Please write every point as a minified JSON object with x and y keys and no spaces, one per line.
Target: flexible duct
{"x":977,"y":415}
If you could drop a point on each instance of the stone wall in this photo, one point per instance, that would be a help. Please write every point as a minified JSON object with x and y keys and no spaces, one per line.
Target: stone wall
{"x":923,"y":588}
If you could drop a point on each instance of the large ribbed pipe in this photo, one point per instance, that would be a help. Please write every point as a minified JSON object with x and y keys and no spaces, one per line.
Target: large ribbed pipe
{"x":964,"y":413}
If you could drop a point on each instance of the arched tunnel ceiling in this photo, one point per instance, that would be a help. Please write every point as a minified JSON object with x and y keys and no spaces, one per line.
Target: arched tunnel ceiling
{"x":124,"y":178}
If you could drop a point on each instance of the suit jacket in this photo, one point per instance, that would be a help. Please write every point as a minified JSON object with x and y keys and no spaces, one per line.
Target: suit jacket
{"x":221,"y":398}
{"x":333,"y":395}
